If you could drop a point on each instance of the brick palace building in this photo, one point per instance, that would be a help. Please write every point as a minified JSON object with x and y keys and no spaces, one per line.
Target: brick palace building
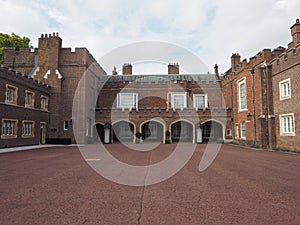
{"x":253,"y":103}
{"x":263,"y":93}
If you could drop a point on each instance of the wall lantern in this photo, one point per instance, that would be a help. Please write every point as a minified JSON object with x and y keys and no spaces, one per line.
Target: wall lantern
{"x":249,"y":116}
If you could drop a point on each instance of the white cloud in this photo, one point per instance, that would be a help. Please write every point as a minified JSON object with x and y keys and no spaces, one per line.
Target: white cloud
{"x":212,"y":29}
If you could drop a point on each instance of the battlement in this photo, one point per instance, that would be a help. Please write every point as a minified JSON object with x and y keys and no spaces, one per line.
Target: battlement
{"x":9,"y":73}
{"x":21,"y":59}
{"x":160,"y":79}
{"x":286,"y":59}
{"x":21,"y":50}
{"x":80,"y":56}
{"x":264,"y":55}
{"x":155,"y":110}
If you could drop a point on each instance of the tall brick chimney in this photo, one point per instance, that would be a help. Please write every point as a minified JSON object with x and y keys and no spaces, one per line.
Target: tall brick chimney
{"x":295,"y":31}
{"x":216,"y":68}
{"x":173,"y":68}
{"x":235,"y":60}
{"x":127,"y":69}
{"x":48,"y":53}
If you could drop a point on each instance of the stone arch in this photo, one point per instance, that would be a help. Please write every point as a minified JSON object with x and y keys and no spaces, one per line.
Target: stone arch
{"x":213,"y":130}
{"x":153,"y":130}
{"x":123,"y":130}
{"x":182,"y":130}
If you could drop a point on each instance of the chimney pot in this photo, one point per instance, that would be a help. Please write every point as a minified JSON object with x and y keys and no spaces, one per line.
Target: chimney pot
{"x":173,"y":68}
{"x":127,"y":69}
{"x":216,"y":69}
{"x":235,"y":60}
{"x":295,"y":31}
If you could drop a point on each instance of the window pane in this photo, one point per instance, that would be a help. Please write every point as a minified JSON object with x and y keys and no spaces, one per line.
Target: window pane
{"x":285,"y":90}
{"x":10,"y":94}
{"x":243,"y":130}
{"x":127,"y":100}
{"x":242,"y":95}
{"x":200,"y":101}
{"x":8,"y":128}
{"x":178,"y":101}
{"x":287,"y":124}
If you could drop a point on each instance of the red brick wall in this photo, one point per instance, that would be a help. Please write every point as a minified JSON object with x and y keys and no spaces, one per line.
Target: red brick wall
{"x":231,"y":96}
{"x":19,"y":112}
{"x":22,"y":60}
{"x":287,"y":66}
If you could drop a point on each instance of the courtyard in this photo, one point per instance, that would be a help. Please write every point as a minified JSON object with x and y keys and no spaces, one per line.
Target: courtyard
{"x":56,"y":185}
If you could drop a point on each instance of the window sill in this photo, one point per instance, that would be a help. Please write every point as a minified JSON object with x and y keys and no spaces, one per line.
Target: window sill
{"x":10,"y":103}
{"x":8,"y":136}
{"x":287,"y":134}
{"x":27,"y":136}
{"x":285,"y":98}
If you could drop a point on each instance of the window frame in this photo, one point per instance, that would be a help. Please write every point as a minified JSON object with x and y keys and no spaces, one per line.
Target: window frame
{"x":282,"y":126}
{"x":205,"y":100}
{"x":14,"y":131}
{"x":240,"y":83}
{"x":281,"y":86}
{"x":184,"y":94}
{"x":32,"y":129}
{"x":15,"y":94}
{"x":134,"y":99}
{"x":29,"y":93}
{"x":46,"y":102}
{"x":242,"y":131}
{"x":66,"y":125}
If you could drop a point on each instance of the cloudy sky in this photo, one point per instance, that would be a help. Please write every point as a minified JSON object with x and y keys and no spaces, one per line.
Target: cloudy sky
{"x":210,"y":29}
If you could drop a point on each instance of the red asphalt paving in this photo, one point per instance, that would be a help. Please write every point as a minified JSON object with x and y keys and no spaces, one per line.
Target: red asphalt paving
{"x":242,"y":186}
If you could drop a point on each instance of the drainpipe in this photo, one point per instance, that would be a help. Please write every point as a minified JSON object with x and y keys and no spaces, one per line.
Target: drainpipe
{"x":232,"y":122}
{"x":265,"y":66}
{"x":253,"y":103}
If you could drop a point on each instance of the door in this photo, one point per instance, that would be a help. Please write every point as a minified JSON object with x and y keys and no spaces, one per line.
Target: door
{"x":199,"y":135}
{"x":42,"y":133}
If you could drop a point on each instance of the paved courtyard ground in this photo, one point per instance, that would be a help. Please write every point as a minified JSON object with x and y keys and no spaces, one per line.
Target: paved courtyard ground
{"x":242,"y":186}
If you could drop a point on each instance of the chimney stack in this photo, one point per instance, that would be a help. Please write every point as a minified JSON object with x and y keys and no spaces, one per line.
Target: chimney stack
{"x":127,"y":69}
{"x":114,"y":72}
{"x":235,"y":60}
{"x":295,"y":31}
{"x":216,"y":69}
{"x":217,"y":72}
{"x":173,"y":68}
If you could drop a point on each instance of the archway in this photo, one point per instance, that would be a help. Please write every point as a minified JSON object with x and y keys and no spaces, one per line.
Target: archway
{"x":123,"y":131}
{"x":212,"y":131}
{"x":152,"y":131}
{"x":182,"y":131}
